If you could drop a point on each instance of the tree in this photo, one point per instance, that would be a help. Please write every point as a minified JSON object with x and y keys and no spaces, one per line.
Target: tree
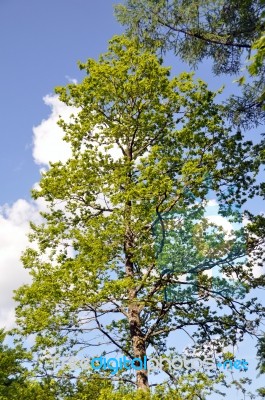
{"x":10,"y":367}
{"x":223,"y":30}
{"x":261,"y":364}
{"x":15,"y":379}
{"x":256,"y":67}
{"x":139,"y":139}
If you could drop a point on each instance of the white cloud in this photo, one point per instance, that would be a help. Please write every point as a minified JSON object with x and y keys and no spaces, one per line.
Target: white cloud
{"x":47,"y":137}
{"x":48,"y":143}
{"x":14,"y":219}
{"x":220,"y":221}
{"x":14,"y":226}
{"x":212,"y":203}
{"x":71,"y":80}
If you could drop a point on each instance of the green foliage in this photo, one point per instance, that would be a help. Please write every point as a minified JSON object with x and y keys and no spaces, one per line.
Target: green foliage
{"x":261,"y":363}
{"x":15,"y":380}
{"x":100,"y":390}
{"x":224,"y":31}
{"x":258,"y":63}
{"x":11,"y":375}
{"x":261,"y":355}
{"x":258,"y":59}
{"x":198,"y":29}
{"x":261,"y":392}
{"x":139,"y":139}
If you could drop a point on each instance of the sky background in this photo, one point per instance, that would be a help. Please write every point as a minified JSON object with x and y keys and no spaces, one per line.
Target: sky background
{"x":41,"y":42}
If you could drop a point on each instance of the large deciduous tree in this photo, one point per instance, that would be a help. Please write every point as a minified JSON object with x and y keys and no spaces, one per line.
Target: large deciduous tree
{"x":139,"y":140}
{"x":224,"y":31}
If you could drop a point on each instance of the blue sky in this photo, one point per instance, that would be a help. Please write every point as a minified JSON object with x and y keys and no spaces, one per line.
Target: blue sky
{"x":41,"y":42}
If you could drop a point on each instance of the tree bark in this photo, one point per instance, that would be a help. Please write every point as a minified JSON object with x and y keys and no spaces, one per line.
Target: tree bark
{"x":137,"y":336}
{"x":138,"y":344}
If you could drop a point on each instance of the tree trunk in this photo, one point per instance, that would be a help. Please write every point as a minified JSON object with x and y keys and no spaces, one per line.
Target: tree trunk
{"x":138,"y":344}
{"x":137,"y":337}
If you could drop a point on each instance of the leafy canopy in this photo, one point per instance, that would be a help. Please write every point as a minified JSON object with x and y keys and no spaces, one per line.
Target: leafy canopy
{"x":225,"y":31}
{"x":139,"y":139}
